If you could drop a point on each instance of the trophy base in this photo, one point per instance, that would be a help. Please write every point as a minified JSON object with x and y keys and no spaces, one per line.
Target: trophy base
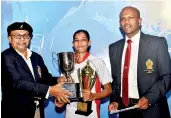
{"x":84,"y":108}
{"x":83,"y":113}
{"x":74,"y":88}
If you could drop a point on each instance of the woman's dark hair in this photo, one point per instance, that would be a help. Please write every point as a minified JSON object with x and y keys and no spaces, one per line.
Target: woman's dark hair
{"x":87,"y":35}
{"x":83,"y":31}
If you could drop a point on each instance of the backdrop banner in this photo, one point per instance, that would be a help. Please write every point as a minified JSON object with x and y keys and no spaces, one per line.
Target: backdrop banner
{"x":54,"y":22}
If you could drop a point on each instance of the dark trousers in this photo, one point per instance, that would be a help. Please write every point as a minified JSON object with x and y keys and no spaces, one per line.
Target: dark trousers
{"x":135,"y":113}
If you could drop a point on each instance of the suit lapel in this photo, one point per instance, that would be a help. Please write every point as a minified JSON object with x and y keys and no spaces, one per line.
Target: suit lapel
{"x":141,"y":52}
{"x":120,"y":51}
{"x":34,"y":65}
{"x":22,"y":62}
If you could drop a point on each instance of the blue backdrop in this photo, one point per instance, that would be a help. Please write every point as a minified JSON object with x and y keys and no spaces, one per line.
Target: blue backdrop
{"x":55,"y":22}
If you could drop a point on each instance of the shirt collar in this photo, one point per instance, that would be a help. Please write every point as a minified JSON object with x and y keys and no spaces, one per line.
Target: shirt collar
{"x":135,"y":38}
{"x":84,"y":58}
{"x":29,"y":53}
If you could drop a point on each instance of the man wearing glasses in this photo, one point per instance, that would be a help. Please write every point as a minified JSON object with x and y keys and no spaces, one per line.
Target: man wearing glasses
{"x":26,"y":81}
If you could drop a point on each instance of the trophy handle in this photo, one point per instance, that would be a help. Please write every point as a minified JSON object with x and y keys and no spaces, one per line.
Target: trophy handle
{"x":53,"y":55}
{"x":55,"y":60}
{"x":58,"y":60}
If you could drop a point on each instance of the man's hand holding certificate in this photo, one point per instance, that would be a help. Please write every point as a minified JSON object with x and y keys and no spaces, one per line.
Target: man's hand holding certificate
{"x":142,"y":104}
{"x":113,"y":106}
{"x":125,"y":109}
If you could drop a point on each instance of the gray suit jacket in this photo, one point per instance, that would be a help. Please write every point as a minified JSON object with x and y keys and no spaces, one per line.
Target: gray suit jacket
{"x":154,"y":80}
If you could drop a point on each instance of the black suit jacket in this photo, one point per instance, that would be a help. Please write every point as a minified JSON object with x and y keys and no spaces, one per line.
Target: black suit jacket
{"x":153,"y":86}
{"x":19,"y":88}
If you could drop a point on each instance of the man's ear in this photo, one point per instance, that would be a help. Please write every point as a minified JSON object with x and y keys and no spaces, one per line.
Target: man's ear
{"x":140,"y":21}
{"x":9,"y":38}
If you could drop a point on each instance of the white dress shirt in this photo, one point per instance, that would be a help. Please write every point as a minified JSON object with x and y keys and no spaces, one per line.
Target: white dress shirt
{"x":132,"y":75}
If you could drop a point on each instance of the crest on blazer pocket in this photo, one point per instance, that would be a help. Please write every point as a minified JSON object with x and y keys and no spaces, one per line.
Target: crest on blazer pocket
{"x":149,"y":65}
{"x":39,"y":71}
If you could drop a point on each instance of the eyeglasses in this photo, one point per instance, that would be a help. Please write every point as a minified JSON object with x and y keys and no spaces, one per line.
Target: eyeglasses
{"x":18,"y":36}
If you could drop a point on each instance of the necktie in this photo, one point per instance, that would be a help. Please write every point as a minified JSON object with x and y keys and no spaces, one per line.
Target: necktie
{"x":125,"y":98}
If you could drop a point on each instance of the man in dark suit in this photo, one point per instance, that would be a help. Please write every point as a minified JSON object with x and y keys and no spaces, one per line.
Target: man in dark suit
{"x":26,"y":81}
{"x":141,"y":70}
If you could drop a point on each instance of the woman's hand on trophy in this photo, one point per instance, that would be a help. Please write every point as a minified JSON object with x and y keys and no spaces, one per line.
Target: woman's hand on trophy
{"x":87,"y":95}
{"x":70,"y":80}
{"x":61,"y":79}
{"x":59,"y":104}
{"x":65,"y":79}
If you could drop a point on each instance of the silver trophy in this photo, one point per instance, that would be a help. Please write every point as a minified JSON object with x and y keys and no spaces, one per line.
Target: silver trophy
{"x":66,"y":65}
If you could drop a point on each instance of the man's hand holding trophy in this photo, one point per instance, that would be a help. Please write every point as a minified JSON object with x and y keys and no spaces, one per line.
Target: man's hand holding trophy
{"x":60,"y":93}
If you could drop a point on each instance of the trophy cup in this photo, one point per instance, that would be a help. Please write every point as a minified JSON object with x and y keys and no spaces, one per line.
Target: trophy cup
{"x":87,"y":79}
{"x":66,"y":65}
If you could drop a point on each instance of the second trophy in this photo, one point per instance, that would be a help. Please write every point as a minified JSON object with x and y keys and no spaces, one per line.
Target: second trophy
{"x":87,"y":78}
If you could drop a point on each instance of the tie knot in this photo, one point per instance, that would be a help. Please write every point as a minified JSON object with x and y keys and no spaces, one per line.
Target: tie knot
{"x":129,"y":41}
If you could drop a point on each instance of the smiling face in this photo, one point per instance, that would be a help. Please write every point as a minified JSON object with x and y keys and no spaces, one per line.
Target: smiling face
{"x":20,"y":40}
{"x":81,"y":42}
{"x":130,"y":21}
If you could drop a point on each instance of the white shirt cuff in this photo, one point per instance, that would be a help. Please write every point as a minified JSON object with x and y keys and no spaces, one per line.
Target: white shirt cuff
{"x":47,"y":94}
